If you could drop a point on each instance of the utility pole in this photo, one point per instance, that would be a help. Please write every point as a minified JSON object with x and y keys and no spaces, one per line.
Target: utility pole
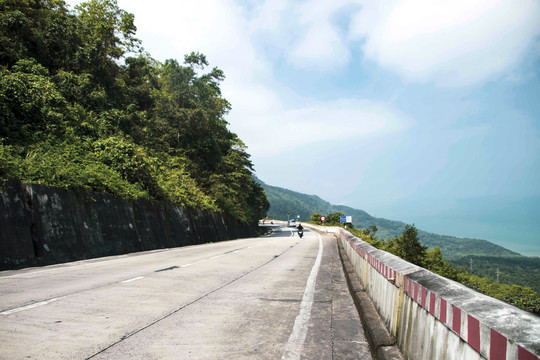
{"x":497,"y":274}
{"x":471,"y":265}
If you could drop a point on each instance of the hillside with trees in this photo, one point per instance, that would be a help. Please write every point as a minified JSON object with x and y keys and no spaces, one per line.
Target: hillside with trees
{"x":517,"y":269}
{"x":83,"y":107}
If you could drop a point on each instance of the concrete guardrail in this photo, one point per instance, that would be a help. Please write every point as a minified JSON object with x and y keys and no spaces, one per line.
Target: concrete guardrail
{"x":432,"y":317}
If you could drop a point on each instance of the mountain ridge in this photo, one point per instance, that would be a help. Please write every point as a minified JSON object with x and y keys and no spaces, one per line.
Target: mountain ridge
{"x":284,"y":202}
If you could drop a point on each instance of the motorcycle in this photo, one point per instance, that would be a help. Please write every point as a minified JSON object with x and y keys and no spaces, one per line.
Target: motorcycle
{"x":300,"y":233}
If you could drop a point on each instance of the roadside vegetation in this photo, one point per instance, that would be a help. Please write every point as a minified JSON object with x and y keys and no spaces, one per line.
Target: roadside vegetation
{"x":408,"y":247}
{"x":83,"y":107}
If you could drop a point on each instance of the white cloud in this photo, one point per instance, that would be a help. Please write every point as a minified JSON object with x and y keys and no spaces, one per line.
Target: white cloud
{"x":215,"y":28}
{"x":456,"y":43}
{"x":320,"y":49}
{"x":282,"y":130}
{"x":269,"y":14}
{"x":319,"y":46}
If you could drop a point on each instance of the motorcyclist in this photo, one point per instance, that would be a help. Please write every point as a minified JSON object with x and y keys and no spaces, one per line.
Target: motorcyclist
{"x":300,"y":230}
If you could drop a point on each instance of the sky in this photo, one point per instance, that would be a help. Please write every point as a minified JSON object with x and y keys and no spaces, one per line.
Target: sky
{"x":422,"y":111}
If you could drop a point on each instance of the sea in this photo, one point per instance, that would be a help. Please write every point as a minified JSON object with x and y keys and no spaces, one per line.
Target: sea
{"x":510,"y":223}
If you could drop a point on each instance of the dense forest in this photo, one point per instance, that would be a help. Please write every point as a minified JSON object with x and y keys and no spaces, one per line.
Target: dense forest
{"x":83,"y":107}
{"x":518,"y":282}
{"x":519,"y":270}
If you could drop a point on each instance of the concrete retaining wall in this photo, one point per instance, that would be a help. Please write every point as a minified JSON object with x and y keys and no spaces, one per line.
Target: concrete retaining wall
{"x":40,"y":225}
{"x":432,"y":317}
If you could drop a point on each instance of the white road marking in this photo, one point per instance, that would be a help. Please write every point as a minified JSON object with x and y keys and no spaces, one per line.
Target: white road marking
{"x":27,"y":307}
{"x":299,"y":331}
{"x":235,"y":251}
{"x":185,"y":265}
{"x":215,"y":257}
{"x":136,"y":278}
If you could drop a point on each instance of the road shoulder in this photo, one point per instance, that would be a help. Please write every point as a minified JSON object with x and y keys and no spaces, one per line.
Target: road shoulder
{"x":382,"y":343}
{"x":335,"y":330}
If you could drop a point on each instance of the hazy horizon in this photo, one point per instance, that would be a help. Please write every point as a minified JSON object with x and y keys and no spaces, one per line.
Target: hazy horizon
{"x":512,"y":224}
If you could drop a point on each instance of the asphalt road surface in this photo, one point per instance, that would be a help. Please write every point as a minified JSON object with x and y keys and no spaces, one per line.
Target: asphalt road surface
{"x":272,"y":297}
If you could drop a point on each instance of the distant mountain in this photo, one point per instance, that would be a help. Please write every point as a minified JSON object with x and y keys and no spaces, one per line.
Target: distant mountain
{"x":284,"y":202}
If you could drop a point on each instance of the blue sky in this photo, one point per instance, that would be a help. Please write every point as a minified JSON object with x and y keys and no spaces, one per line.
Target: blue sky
{"x":422,"y":111}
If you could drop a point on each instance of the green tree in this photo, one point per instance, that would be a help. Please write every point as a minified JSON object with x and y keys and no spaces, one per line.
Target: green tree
{"x":76,"y":113}
{"x":408,"y":246}
{"x":523,"y":298}
{"x":107,"y":33}
{"x":434,"y":262}
{"x":31,"y":107}
{"x":334,"y":219}
{"x":42,"y":30}
{"x":368,"y":236}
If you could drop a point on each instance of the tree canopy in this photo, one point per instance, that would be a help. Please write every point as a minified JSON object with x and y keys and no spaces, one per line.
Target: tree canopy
{"x":407,"y":246}
{"x":83,"y":107}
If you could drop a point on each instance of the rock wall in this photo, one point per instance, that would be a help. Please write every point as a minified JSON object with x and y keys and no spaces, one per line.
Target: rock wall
{"x":432,"y":317}
{"x":40,"y":225}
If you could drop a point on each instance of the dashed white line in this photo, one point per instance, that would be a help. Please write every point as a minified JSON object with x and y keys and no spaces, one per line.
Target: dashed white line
{"x":215,"y":257}
{"x":134,"y":279}
{"x":185,"y":265}
{"x":27,"y":307}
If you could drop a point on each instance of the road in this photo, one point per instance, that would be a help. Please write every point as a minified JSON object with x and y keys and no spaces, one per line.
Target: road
{"x":272,"y":297}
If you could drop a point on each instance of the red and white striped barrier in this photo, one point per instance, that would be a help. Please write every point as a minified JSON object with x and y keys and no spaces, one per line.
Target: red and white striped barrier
{"x":514,"y":335}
